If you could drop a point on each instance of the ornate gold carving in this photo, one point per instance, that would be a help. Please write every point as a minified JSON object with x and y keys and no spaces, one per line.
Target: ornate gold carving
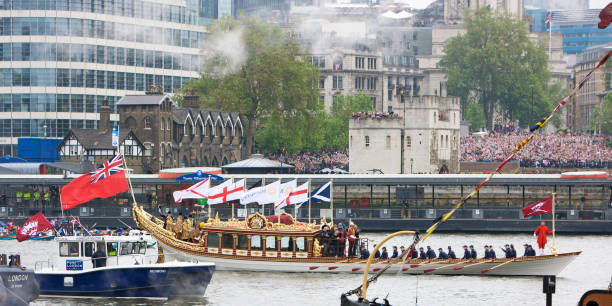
{"x":316,"y":250}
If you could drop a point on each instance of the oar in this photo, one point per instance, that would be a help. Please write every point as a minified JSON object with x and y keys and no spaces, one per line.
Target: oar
{"x":495,"y":267}
{"x":445,"y":266}
{"x":475,"y":264}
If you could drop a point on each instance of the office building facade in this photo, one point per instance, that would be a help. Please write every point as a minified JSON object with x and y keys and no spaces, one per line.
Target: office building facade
{"x":60,"y":58}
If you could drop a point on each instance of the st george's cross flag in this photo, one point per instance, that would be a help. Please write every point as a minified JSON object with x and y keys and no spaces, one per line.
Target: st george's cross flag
{"x":34,"y":226}
{"x":196,"y":191}
{"x":299,"y":195}
{"x":106,"y":181}
{"x":285,"y":190}
{"x":542,"y":207}
{"x":225,"y":192}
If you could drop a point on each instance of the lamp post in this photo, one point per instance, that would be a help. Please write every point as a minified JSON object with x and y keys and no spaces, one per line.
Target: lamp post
{"x":411,"y":162}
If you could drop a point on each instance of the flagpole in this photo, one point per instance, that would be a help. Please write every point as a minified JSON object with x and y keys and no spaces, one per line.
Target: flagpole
{"x":263,"y":184}
{"x":280,"y":181}
{"x":244,"y":188}
{"x":331,"y":199}
{"x":232,"y":202}
{"x":309,"y":195}
{"x":554,"y":249}
{"x":550,"y":38}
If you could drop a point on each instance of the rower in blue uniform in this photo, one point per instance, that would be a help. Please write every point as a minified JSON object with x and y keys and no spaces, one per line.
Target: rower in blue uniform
{"x":492,"y":252}
{"x":422,"y":254}
{"x":451,"y":253}
{"x":384,"y":254}
{"x":466,"y":253}
{"x":414,"y":254}
{"x":508,"y":251}
{"x":473,"y":253}
{"x":442,"y":254}
{"x":431,"y":254}
{"x":486,"y":252}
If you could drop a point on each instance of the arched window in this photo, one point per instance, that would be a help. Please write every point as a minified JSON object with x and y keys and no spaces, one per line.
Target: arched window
{"x":408,"y":142}
{"x":147,"y":123}
{"x":367,"y":141}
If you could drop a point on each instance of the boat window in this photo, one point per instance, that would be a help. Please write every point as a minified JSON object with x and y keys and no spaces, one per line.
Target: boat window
{"x":112,"y":248}
{"x":256,"y":243}
{"x":300,"y":244}
{"x":213,"y":240}
{"x":88,"y":249}
{"x":69,"y":249}
{"x":271,"y":243}
{"x":100,"y":247}
{"x":227,"y":241}
{"x":242,"y":242}
{"x":133,"y":248}
{"x":287,"y":244}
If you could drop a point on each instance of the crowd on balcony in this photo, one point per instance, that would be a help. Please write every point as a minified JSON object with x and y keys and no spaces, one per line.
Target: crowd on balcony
{"x":544,"y":151}
{"x":314,"y":162}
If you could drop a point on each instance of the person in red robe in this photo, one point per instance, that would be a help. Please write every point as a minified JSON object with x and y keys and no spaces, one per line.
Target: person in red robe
{"x":541,"y":231}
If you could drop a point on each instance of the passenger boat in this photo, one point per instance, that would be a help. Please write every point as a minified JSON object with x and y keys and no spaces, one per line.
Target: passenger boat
{"x":256,"y":244}
{"x":119,"y":267}
{"x":17,"y":284}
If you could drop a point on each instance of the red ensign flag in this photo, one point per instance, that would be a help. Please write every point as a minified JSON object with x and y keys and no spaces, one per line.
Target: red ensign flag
{"x":106,"y":181}
{"x":542,"y":207}
{"x":34,"y":226}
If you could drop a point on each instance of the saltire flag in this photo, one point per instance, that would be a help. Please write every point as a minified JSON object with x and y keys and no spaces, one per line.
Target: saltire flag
{"x":106,"y":181}
{"x":542,"y":207}
{"x":320,"y":195}
{"x":263,"y":195}
{"x":34,"y":226}
{"x":196,"y":191}
{"x":285,"y":190}
{"x":218,"y":194}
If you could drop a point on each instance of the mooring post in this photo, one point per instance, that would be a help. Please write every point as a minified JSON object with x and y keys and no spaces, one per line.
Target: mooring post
{"x":549,"y":282}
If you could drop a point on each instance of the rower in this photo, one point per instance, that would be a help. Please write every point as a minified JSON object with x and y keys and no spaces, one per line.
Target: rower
{"x":466,"y":253}
{"x":473,"y":253}
{"x":451,"y":253}
{"x":442,"y":254}
{"x":422,"y":254}
{"x":431,"y":254}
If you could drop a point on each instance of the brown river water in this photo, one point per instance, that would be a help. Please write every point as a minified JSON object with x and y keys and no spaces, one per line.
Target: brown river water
{"x":591,"y":270}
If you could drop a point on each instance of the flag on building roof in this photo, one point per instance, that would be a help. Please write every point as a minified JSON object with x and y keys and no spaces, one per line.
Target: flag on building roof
{"x":106,"y":181}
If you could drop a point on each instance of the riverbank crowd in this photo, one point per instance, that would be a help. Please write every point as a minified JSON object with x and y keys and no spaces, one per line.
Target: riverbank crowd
{"x":545,"y":151}
{"x":314,"y":162}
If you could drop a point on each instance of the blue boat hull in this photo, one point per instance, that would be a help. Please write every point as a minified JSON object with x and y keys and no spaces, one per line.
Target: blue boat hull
{"x":150,"y":281}
{"x":17,"y":287}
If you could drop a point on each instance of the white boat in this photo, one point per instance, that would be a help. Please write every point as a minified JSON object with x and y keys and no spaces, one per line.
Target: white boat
{"x":256,"y":244}
{"x":119,"y":267}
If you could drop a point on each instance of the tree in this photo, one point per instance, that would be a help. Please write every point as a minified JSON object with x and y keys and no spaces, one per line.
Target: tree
{"x":474,"y":115}
{"x":256,"y":69}
{"x":495,"y":64}
{"x":337,"y":123}
{"x":602,"y":116}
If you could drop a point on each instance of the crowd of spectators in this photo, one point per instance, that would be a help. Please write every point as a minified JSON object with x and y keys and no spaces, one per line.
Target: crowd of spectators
{"x":544,"y":151}
{"x":375,"y":115}
{"x":314,"y":162}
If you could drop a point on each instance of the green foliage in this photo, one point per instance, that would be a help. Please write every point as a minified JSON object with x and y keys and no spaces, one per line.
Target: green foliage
{"x":256,"y":69}
{"x":475,"y":115}
{"x":337,"y":123}
{"x":495,"y":64}
{"x":602,"y":116}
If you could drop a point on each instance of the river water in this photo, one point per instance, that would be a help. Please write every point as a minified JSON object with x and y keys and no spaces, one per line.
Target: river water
{"x":591,"y":270}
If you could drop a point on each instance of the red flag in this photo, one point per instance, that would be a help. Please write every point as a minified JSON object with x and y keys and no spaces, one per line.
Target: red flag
{"x":34,"y":226}
{"x":106,"y":181}
{"x":542,"y":207}
{"x":605,"y":16}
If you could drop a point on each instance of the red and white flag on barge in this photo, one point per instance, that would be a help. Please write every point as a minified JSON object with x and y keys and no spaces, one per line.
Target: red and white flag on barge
{"x":542,"y":207}
{"x":34,"y":226}
{"x":225,"y":192}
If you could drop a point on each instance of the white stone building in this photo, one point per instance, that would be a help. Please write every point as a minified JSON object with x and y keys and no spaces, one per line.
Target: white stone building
{"x":422,"y":138}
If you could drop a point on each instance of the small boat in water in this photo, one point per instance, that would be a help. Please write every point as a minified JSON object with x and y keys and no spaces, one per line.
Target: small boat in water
{"x":119,"y":267}
{"x":18,"y":285}
{"x":256,"y":244}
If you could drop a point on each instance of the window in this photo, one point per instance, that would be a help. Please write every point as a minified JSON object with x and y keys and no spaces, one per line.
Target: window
{"x":271,"y":243}
{"x":112,"y":248}
{"x":286,"y":244}
{"x":435,"y":116}
{"x":372,"y":83}
{"x":213,"y":240}
{"x":147,"y":123}
{"x":337,"y":82}
{"x":242,"y":242}
{"x":227,"y":241}
{"x":371,"y":63}
{"x":359,"y":62}
{"x":388,"y":142}
{"x":367,"y":141}
{"x":148,"y":149}
{"x":69,"y":249}
{"x":408,"y":142}
{"x":322,"y":83}
{"x":88,"y":249}
{"x":300,"y":244}
{"x":255,"y":243}
{"x":359,"y":83}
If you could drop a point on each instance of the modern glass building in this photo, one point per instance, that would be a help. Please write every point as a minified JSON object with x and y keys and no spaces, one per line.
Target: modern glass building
{"x":60,"y":58}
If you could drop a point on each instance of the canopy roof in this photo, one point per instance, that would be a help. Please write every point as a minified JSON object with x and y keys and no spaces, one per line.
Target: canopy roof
{"x":258,"y":161}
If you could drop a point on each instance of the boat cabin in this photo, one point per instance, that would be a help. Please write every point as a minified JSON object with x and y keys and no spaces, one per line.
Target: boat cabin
{"x":77,"y":253}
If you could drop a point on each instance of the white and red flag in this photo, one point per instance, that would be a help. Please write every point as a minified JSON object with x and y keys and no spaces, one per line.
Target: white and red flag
{"x":299,"y":195}
{"x":285,"y":189}
{"x":225,"y":192}
{"x":197,"y":191}
{"x":542,"y":207}
{"x":34,"y":226}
